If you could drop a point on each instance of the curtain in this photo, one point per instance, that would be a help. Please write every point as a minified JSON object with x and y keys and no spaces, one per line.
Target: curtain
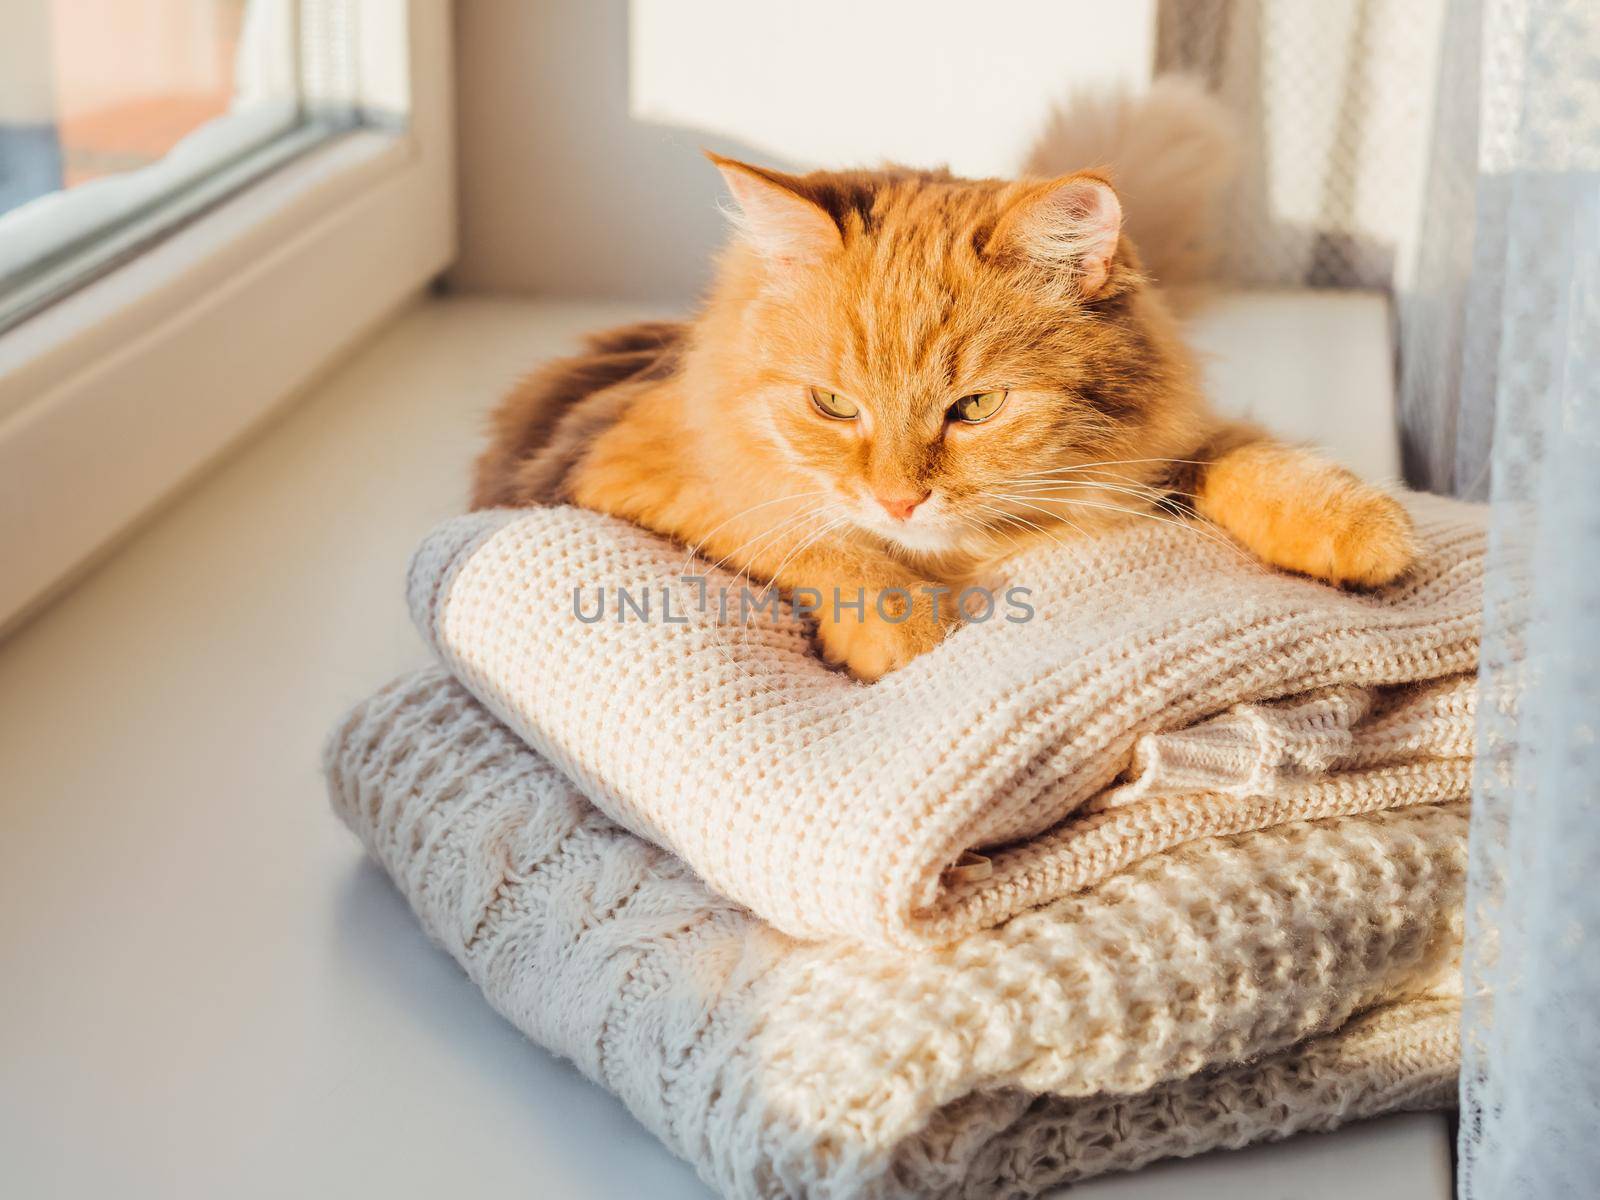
{"x":1332,"y":101}
{"x":1450,"y":153}
{"x":1502,"y":364}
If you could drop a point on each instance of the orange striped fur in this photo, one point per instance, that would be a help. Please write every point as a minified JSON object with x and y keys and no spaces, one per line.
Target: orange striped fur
{"x":902,"y":292}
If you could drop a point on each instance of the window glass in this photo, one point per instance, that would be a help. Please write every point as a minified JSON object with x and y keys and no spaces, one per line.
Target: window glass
{"x":121,"y":119}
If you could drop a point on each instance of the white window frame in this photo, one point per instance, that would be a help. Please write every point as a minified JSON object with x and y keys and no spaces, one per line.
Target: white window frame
{"x":116,"y":395}
{"x":50,"y":245}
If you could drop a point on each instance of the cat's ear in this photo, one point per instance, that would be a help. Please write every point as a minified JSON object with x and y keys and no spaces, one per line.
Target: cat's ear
{"x":1071,"y":223}
{"x":775,"y":215}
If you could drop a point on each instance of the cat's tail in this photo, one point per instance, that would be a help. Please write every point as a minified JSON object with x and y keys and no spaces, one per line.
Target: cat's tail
{"x":1171,"y":154}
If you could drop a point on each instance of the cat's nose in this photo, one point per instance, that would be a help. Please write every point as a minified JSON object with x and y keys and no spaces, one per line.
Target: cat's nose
{"x":901,"y":504}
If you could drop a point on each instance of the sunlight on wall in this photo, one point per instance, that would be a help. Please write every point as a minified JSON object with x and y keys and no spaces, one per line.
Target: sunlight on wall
{"x":812,"y":83}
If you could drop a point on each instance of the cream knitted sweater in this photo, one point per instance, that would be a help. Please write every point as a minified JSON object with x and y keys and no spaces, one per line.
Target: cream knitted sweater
{"x":1228,"y":990}
{"x":1166,"y":689}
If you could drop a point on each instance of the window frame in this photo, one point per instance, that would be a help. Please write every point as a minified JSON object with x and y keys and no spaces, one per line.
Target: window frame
{"x":54,"y":243}
{"x":117,"y":394}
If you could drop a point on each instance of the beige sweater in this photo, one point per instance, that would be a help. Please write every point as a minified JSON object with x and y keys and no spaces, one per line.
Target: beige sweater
{"x":1229,"y":990}
{"x":1166,"y":689}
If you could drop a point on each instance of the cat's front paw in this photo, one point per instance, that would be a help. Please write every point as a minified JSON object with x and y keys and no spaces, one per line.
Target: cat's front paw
{"x":1298,"y":511}
{"x":1371,"y":540}
{"x":888,"y":632}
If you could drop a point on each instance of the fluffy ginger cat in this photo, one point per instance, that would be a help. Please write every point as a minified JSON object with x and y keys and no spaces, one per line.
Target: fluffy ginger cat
{"x":900,"y":378}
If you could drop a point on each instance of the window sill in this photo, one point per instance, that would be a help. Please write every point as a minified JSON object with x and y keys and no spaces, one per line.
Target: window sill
{"x":279,"y":1015}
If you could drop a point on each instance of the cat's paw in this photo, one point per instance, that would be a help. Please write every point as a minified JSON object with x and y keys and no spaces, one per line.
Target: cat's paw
{"x":1371,"y":540}
{"x":1350,"y":534}
{"x":885,"y":637}
{"x":1298,"y":511}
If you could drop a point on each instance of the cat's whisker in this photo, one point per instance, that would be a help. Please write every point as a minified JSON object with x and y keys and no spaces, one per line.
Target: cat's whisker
{"x":787,"y":525}
{"x":999,"y":512}
{"x":710,"y":533}
{"x":1192,"y":522}
{"x":1086,"y":480}
{"x":987,"y":528}
{"x":744,"y":512}
{"x":1050,"y":498}
{"x":1150,"y":495}
{"x":1198,"y":528}
{"x":745,"y":578}
{"x":1155,"y":496}
{"x":1034,"y":525}
{"x":777,"y":571}
{"x":741,"y":627}
{"x":1150,"y":491}
{"x":799,"y":538}
{"x":1097,"y":479}
{"x":1118,"y":462}
{"x":1194,"y":526}
{"x":795,"y":528}
{"x":1009,"y":517}
{"x":1054,"y":516}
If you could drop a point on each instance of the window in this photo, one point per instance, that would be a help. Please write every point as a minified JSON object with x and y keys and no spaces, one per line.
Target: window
{"x":122,"y":119}
{"x":290,"y":185}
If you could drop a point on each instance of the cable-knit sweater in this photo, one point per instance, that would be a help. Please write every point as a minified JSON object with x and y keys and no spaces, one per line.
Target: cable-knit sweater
{"x":1165,"y":689}
{"x":1228,"y":990}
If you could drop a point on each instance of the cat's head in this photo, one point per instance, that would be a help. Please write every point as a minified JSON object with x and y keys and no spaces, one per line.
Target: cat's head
{"x":923,"y":350}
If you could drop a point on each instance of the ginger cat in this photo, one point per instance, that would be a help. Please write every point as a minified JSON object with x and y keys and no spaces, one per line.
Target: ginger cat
{"x":901,"y":377}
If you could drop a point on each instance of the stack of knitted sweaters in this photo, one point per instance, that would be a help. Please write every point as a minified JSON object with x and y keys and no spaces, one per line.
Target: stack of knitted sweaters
{"x":1175,"y":864}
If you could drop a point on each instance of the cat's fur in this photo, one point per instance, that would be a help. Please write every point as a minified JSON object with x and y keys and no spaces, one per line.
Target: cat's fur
{"x":904,"y":291}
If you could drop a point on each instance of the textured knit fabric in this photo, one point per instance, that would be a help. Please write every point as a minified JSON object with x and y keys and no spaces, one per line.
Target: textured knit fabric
{"x":1166,"y":688}
{"x":1228,"y":990}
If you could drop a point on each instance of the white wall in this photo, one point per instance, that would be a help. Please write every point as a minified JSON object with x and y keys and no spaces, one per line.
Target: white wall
{"x":840,"y":82}
{"x":579,"y":163}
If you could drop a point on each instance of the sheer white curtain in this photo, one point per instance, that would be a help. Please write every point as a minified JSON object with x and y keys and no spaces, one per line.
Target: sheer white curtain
{"x":1502,"y":354}
{"x":1332,"y":103}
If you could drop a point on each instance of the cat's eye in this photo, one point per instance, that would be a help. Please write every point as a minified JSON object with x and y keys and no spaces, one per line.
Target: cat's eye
{"x":831,"y":404}
{"x":979,"y":406}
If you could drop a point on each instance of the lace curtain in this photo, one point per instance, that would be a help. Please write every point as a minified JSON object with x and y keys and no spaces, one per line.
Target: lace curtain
{"x":1333,"y":103}
{"x":1502,"y":366}
{"x":1450,"y":153}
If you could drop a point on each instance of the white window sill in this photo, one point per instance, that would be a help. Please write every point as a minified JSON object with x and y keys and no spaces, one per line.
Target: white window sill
{"x":207,"y":992}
